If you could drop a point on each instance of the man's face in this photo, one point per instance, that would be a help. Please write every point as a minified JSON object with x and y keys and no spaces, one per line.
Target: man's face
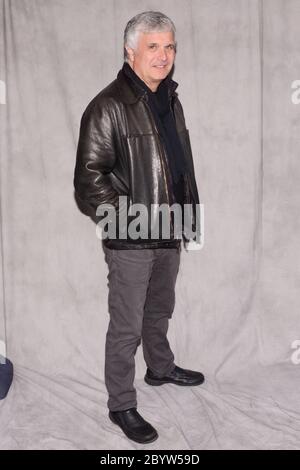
{"x":153,"y":58}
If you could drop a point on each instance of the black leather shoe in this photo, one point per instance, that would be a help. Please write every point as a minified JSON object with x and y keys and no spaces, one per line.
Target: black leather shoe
{"x":177,"y":376}
{"x":133,"y":425}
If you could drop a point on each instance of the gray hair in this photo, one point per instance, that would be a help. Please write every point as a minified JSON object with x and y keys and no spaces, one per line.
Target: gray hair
{"x":146,"y":22}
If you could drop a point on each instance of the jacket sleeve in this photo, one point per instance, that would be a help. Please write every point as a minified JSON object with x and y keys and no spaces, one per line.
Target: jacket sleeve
{"x":95,"y":158}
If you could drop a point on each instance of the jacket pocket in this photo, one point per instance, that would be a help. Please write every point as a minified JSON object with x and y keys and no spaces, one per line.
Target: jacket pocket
{"x":145,"y":168}
{"x":118,"y":184}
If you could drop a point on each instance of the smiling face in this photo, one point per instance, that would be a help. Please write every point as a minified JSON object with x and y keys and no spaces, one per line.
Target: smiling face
{"x":153,"y":58}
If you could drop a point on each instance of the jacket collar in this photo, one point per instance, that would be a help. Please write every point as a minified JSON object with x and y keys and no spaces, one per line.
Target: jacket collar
{"x":130,"y":92}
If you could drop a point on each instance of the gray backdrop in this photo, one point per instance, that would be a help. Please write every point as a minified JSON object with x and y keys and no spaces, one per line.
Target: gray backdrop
{"x":237,"y":310}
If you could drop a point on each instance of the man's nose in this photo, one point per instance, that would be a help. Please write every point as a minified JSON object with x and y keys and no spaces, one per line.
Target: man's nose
{"x":162,"y":54}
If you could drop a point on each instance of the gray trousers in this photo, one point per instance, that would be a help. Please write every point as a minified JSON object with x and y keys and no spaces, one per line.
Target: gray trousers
{"x":141,"y":301}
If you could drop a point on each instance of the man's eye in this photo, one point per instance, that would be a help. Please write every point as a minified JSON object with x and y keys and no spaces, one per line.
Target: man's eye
{"x":171,"y":46}
{"x":152,"y":46}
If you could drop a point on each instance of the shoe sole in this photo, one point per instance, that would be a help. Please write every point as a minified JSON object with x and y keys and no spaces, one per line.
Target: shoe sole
{"x":130,"y":437}
{"x":157,"y":382}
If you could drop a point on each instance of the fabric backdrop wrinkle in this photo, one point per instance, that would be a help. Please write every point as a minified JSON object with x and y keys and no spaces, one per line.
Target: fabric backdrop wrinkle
{"x":237,"y":302}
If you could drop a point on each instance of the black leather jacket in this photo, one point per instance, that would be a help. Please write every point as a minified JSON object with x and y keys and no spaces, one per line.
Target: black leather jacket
{"x":120,"y":152}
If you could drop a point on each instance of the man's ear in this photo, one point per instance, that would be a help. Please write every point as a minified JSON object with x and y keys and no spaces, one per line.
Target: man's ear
{"x":130,"y":53}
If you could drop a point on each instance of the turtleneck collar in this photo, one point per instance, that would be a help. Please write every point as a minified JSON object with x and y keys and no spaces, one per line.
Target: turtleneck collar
{"x":167,"y":85}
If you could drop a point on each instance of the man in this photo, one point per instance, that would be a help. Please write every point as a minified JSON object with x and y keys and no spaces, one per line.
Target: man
{"x":134,"y":144}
